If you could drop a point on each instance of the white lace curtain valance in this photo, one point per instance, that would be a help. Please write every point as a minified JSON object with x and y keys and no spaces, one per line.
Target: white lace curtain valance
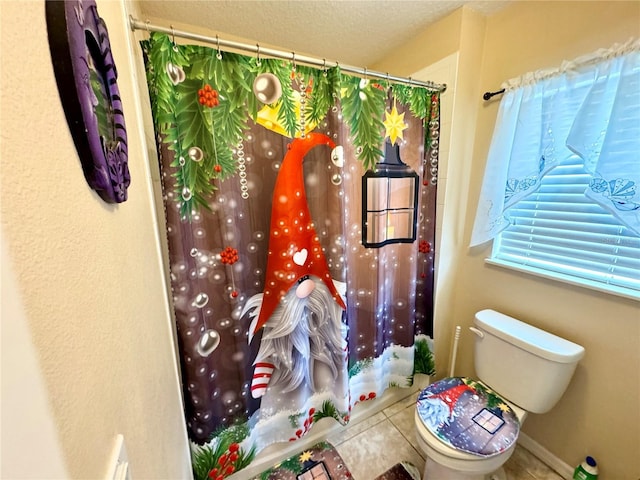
{"x":589,"y":107}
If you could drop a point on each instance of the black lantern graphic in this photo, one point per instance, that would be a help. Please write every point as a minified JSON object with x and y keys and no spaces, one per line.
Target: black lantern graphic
{"x":389,"y":201}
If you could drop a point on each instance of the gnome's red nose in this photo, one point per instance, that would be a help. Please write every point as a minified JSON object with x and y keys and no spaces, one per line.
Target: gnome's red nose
{"x":305,"y":287}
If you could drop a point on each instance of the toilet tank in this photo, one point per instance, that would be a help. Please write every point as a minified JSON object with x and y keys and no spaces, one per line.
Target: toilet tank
{"x":528,"y":366}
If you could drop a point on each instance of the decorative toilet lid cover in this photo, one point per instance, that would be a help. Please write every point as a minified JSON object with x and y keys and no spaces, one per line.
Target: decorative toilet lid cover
{"x":468,"y":416}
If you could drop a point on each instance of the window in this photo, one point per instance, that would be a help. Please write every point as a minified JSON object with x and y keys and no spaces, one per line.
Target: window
{"x":488,"y":420}
{"x":560,"y":231}
{"x":561,"y":193}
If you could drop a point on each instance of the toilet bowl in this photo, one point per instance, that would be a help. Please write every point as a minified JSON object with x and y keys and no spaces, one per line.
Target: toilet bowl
{"x":468,"y":428}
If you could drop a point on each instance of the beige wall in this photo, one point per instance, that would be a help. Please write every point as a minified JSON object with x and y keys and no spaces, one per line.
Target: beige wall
{"x":599,"y":415}
{"x":89,"y":274}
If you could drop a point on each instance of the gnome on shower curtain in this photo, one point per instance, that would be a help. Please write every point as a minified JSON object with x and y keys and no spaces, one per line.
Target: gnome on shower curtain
{"x":303,"y":345}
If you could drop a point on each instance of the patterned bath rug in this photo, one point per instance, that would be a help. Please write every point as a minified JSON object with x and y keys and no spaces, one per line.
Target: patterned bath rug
{"x":320,"y":462}
{"x":401,"y":471}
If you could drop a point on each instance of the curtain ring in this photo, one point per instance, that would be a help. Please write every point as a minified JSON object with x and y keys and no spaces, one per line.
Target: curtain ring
{"x":218,"y":55}
{"x":293,"y":60}
{"x":259,"y":62}
{"x":173,"y":39}
{"x":365,"y":73}
{"x":147,"y":25}
{"x":324,"y":67}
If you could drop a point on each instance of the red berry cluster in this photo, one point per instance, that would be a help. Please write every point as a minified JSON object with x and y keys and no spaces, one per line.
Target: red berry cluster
{"x":226,"y":463}
{"x":371,"y":396}
{"x":424,"y":247}
{"x":309,"y":88}
{"x":208,"y":96}
{"x":363,"y":397}
{"x":307,"y":425}
{"x":229,"y":256}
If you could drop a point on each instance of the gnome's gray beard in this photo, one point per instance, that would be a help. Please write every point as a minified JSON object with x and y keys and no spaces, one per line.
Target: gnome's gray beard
{"x":299,"y":333}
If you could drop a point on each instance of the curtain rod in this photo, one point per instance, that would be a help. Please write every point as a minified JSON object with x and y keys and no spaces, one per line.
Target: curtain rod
{"x":631,"y":45}
{"x":292,"y":56}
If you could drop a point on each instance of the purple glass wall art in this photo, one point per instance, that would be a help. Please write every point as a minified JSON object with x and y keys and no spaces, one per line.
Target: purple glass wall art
{"x":87,"y":82}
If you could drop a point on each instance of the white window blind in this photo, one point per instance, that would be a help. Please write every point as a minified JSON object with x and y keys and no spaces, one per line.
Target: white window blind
{"x":559,"y":229}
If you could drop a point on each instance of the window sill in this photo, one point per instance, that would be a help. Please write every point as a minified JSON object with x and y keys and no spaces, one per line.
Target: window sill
{"x":559,"y":277}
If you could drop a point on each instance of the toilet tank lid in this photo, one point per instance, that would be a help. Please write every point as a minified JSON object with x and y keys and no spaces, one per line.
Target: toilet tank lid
{"x":528,"y":337}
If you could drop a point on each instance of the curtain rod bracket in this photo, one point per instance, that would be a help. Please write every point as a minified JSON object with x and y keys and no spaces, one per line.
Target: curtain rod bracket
{"x":489,"y":95}
{"x":132,"y":23}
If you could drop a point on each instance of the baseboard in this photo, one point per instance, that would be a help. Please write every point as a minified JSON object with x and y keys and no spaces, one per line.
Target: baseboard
{"x":548,"y":458}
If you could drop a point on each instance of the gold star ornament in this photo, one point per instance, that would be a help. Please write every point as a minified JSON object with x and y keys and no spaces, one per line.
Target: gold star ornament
{"x":306,"y":456}
{"x":394,"y":124}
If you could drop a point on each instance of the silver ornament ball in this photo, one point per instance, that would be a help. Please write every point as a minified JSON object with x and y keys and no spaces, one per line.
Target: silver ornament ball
{"x":196,"y":154}
{"x":208,"y":342}
{"x":267,"y":88}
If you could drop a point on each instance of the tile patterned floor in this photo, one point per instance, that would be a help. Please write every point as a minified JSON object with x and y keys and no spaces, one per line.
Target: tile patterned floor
{"x":373,"y":445}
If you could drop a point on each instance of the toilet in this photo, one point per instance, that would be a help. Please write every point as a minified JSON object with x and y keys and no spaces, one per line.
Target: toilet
{"x":467,"y":427}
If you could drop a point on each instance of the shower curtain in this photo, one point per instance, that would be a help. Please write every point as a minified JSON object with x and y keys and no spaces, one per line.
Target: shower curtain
{"x":283,"y":316}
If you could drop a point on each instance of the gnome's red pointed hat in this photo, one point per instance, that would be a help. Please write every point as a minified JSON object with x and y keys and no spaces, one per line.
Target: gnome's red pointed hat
{"x":450,"y":396}
{"x":294,"y":248}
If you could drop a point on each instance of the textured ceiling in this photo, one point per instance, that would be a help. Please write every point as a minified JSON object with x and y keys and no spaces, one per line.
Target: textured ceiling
{"x":357,"y":33}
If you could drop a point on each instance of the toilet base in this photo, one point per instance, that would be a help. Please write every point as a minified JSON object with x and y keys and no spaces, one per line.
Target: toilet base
{"x":435,"y":471}
{"x":499,"y":474}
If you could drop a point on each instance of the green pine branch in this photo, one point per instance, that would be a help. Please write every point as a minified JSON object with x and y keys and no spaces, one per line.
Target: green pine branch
{"x":418,"y":99}
{"x":325,"y":89}
{"x":294,"y":419}
{"x":160,"y":52}
{"x":185,"y":123}
{"x":205,"y":458}
{"x":287,"y":113}
{"x":423,"y":358}
{"x":493,"y":400}
{"x":328,"y":409}
{"x":292,"y":464}
{"x":360,"y":365}
{"x":229,"y":118}
{"x":363,"y":109}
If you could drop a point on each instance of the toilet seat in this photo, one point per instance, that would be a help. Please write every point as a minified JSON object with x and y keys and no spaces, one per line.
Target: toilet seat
{"x":438,"y":445}
{"x":464,"y":419}
{"x":454,"y":459}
